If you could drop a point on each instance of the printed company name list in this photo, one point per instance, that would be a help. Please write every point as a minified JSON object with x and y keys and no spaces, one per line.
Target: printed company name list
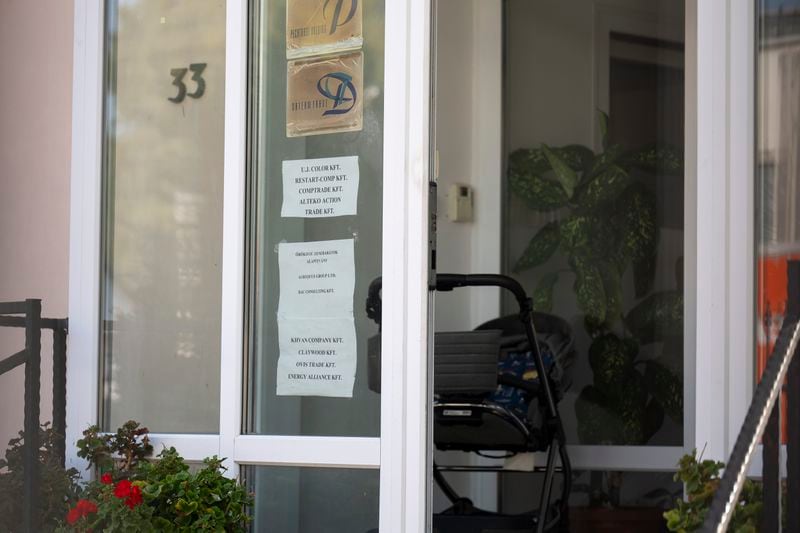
{"x":316,"y":319}
{"x":313,"y":194}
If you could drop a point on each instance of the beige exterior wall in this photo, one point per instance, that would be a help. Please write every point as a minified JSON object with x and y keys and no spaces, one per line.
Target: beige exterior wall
{"x":35,"y":129}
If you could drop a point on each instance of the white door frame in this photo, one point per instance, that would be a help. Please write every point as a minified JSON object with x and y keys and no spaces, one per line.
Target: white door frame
{"x":402,"y":451}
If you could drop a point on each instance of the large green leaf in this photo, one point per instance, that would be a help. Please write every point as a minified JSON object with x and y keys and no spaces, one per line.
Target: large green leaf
{"x":631,"y":402}
{"x":540,"y":248}
{"x":656,"y":158}
{"x":597,"y":421}
{"x":644,"y":275}
{"x":604,"y":420}
{"x":612,"y":285}
{"x":603,"y":160}
{"x":658,"y":316}
{"x":565,"y":175}
{"x":525,"y":171}
{"x":603,"y":188}
{"x":579,"y":158}
{"x":575,"y":233}
{"x":543,"y":293}
{"x":641,"y":229}
{"x":611,"y":360}
{"x":667,"y":389}
{"x":588,"y":288}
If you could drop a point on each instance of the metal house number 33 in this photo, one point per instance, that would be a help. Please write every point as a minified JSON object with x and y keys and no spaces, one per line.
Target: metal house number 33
{"x":197,"y":77}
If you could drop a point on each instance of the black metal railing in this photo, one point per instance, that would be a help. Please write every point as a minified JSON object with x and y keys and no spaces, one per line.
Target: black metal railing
{"x":763,"y":419}
{"x":31,"y":356}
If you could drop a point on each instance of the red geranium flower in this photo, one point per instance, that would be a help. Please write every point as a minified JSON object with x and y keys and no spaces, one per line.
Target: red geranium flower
{"x":82,"y":509}
{"x":123,"y":489}
{"x":135,"y":497}
{"x":85,"y":507}
{"x":73,"y":516}
{"x":106,"y":479}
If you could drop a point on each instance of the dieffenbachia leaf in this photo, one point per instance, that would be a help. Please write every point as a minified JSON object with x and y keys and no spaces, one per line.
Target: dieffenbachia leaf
{"x":589,"y":289}
{"x":565,"y":175}
{"x":525,"y":171}
{"x":543,"y":293}
{"x":540,"y":248}
{"x":658,"y":316}
{"x":603,"y":188}
{"x":597,"y":422}
{"x":641,"y":228}
{"x":603,"y":160}
{"x":611,"y":360}
{"x":575,"y":232}
{"x":667,"y":389}
{"x":659,"y":158}
{"x":630,"y":403}
{"x":604,"y":240}
{"x":644,"y":275}
{"x":612,"y":285}
{"x":579,"y":158}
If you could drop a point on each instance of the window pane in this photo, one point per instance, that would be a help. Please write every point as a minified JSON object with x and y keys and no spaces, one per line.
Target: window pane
{"x":594,"y":220}
{"x":315,"y":211}
{"x":314,"y":500}
{"x":777,"y":165}
{"x":162,"y":250}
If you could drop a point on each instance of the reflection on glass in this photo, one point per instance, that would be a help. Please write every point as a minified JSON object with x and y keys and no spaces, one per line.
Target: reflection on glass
{"x":163,"y":214}
{"x":594,"y":212}
{"x":777,"y":165}
{"x":276,"y":406}
{"x":314,"y":500}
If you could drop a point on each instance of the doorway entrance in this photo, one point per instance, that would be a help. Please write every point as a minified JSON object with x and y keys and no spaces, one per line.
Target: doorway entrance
{"x":559,"y":137}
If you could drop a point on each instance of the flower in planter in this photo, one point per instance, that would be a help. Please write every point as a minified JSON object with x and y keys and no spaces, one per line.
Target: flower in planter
{"x":132,"y":494}
{"x":82,"y":510}
{"x":153,"y":495}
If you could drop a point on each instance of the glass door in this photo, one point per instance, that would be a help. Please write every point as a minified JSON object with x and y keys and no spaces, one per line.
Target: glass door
{"x":330,"y":361}
{"x":272,"y":176}
{"x":315,"y":248}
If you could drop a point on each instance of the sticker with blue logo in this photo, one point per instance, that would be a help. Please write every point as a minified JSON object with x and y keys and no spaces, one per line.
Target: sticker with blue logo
{"x":315,"y":27}
{"x":324,"y":95}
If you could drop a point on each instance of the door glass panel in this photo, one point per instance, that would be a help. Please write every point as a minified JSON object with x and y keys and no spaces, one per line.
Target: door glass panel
{"x":312,"y":500}
{"x":594,"y":212}
{"x":315,"y":216}
{"x":162,"y":214}
{"x":777,"y":167}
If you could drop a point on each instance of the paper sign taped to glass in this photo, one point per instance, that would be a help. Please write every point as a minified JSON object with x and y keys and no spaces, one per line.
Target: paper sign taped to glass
{"x":325,"y":95}
{"x":314,"y":188}
{"x":316,"y":331}
{"x":317,"y":279}
{"x":317,"y":357}
{"x":315,"y":27}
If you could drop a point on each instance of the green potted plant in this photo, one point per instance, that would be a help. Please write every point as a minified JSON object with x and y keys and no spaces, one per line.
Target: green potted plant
{"x":701,"y":479}
{"x":604,"y":232}
{"x":59,"y":486}
{"x":136,"y":492}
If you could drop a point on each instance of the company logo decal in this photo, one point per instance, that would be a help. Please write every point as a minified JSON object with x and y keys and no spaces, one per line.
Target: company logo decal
{"x":338,"y":87}
{"x":336,"y":18}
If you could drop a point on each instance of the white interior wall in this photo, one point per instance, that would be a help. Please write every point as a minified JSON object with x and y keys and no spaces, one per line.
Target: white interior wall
{"x":453,"y":142}
{"x":469,"y":144}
